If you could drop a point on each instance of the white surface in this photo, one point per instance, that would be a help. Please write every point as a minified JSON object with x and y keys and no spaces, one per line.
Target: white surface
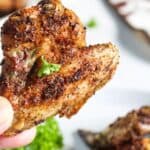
{"x":130,"y":86}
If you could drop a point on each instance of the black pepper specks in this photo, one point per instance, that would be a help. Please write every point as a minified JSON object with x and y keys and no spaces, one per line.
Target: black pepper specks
{"x":54,"y":89}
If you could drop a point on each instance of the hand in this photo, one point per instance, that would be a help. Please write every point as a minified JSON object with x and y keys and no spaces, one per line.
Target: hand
{"x":6,"y":117}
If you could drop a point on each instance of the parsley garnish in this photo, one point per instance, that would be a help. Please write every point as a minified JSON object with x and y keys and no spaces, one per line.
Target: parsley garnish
{"x":92,"y":23}
{"x":47,"y":68}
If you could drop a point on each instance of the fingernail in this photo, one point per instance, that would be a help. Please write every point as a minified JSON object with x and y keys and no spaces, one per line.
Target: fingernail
{"x":6,"y":114}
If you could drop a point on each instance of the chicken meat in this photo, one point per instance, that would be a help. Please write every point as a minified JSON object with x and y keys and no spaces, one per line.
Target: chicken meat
{"x":127,"y":133}
{"x":51,"y":34}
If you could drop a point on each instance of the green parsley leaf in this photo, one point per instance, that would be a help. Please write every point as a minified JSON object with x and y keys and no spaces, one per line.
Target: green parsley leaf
{"x":47,"y":68}
{"x":92,"y":23}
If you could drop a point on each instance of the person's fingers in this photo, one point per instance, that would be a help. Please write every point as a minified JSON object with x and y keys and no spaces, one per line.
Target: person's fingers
{"x":19,"y":140}
{"x":6,"y":114}
{"x":6,"y":118}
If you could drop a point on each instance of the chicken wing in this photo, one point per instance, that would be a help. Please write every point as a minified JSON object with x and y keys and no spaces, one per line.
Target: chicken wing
{"x":127,"y":133}
{"x":55,"y":33}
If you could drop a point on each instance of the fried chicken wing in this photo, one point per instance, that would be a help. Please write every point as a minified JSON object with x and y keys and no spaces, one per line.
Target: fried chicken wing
{"x":127,"y":133}
{"x":55,"y":33}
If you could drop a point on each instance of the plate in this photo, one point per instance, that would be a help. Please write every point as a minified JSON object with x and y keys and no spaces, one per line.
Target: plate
{"x":101,"y":110}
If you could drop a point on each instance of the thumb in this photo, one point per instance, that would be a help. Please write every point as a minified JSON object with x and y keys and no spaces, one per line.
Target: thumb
{"x":6,"y":114}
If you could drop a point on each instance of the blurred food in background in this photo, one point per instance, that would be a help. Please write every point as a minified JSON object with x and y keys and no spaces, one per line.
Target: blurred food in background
{"x":127,"y":133}
{"x":8,"y":6}
{"x":136,"y":14}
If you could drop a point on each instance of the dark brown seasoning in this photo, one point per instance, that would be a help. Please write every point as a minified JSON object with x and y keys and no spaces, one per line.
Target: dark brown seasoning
{"x":125,"y":133}
{"x":51,"y":31}
{"x":54,"y":88}
{"x":144,"y":116}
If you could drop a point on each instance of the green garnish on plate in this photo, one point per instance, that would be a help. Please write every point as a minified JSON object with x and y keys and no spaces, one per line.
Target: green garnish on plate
{"x":48,"y":68}
{"x":92,"y":23}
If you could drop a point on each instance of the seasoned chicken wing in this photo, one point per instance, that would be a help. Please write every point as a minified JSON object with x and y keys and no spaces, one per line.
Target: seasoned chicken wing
{"x":47,"y":68}
{"x":127,"y":133}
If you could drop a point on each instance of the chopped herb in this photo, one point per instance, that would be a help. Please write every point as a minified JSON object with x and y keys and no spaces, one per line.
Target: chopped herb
{"x":47,"y":68}
{"x":92,"y":23}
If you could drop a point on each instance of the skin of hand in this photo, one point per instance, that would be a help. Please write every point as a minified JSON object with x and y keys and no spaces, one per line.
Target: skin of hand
{"x":6,"y":118}
{"x":5,"y":4}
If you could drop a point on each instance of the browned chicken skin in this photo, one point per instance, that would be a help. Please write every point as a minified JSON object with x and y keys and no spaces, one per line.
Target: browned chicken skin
{"x":127,"y":133}
{"x":52,"y":31}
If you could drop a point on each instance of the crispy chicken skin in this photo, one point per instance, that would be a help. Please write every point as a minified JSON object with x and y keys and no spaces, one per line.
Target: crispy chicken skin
{"x":52,"y":31}
{"x":127,"y":133}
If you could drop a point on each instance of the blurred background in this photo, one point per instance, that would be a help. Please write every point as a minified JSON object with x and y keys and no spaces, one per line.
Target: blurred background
{"x":130,"y":87}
